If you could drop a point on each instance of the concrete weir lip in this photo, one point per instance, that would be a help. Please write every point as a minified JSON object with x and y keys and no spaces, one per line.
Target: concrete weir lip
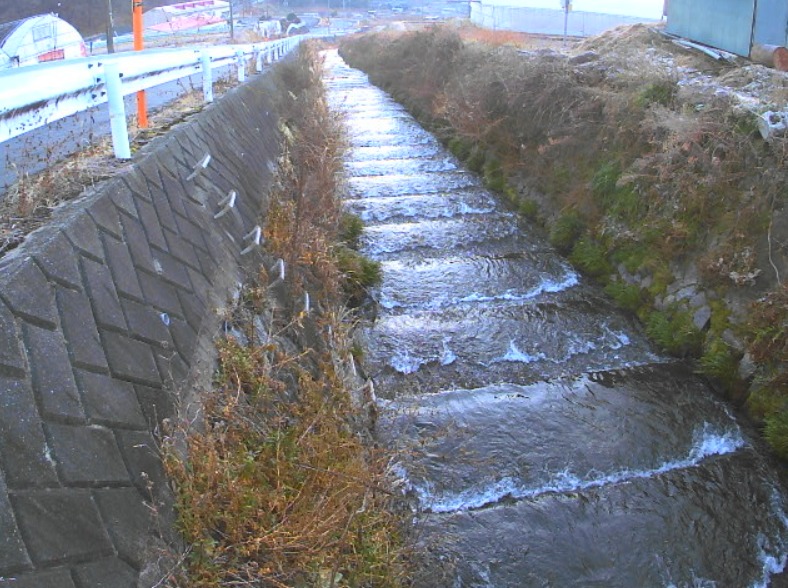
{"x":106,"y":321}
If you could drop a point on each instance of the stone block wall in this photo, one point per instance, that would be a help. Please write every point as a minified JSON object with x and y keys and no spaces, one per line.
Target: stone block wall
{"x":105,"y":314}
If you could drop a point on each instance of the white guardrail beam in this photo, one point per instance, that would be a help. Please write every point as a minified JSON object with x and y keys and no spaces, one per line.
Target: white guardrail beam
{"x":34,"y":96}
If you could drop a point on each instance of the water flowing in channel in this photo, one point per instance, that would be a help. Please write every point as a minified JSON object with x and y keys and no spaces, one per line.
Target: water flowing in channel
{"x":547,"y":444}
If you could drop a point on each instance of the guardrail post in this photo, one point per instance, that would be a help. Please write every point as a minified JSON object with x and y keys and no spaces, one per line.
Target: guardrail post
{"x":239,"y":55}
{"x":207,"y":76}
{"x":258,"y":59}
{"x":117,"y":111}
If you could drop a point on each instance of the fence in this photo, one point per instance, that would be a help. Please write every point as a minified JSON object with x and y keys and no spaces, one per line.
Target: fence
{"x":32,"y":97}
{"x":545,"y":21}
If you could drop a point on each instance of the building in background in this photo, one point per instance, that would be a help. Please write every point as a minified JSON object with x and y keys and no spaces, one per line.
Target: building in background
{"x":186,"y":15}
{"x":507,"y":15}
{"x":269,"y":28}
{"x":39,"y":39}
{"x":732,"y":25}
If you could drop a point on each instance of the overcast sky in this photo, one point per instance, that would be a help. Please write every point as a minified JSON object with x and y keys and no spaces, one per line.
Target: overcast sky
{"x":645,"y":8}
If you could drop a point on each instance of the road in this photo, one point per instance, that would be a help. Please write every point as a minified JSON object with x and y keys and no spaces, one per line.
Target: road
{"x":34,"y":151}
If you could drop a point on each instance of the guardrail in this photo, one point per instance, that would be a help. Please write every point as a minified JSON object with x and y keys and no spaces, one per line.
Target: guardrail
{"x":34,"y":96}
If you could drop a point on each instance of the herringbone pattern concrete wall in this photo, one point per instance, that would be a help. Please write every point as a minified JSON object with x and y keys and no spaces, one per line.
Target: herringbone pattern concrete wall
{"x":102,"y":316}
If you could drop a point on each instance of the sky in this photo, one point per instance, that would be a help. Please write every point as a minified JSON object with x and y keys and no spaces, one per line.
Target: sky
{"x":644,"y":8}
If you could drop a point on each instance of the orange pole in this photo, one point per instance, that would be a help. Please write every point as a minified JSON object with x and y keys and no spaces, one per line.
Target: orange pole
{"x":136,"y":25}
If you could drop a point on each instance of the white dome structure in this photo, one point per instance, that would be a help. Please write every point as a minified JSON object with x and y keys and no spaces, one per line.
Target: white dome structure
{"x":39,"y":39}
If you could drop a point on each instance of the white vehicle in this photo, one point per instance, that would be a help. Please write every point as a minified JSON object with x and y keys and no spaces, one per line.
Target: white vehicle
{"x":38,"y":39}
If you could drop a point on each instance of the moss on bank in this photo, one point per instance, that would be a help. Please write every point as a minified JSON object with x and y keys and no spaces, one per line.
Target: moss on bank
{"x":656,"y":190}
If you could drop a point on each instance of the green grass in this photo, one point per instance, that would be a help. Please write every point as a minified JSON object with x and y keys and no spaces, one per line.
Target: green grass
{"x":359,"y":272}
{"x":529,"y":209}
{"x":590,"y":257}
{"x":628,"y":296}
{"x":674,"y":332}
{"x":661,"y":92}
{"x":720,"y":362}
{"x":350,"y":229}
{"x":567,"y":230}
{"x":776,"y":432}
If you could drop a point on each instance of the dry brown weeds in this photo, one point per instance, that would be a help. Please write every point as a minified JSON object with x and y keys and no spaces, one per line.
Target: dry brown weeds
{"x":29,"y":202}
{"x":279,"y":485}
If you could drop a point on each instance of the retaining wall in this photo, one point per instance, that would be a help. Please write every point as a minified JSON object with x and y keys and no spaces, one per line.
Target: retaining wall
{"x":104,"y":314}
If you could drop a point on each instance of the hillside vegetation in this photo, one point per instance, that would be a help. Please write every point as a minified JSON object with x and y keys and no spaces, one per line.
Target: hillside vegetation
{"x":645,"y":165}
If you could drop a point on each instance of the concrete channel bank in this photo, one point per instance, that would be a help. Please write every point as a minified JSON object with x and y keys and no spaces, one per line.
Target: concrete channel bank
{"x":107,"y":316}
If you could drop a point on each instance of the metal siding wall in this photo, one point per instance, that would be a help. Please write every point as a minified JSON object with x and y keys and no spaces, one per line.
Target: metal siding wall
{"x":545,"y":21}
{"x":771,"y":22}
{"x":725,"y":24}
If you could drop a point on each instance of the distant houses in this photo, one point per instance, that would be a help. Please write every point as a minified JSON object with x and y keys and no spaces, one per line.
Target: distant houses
{"x":38,"y":39}
{"x":186,"y":15}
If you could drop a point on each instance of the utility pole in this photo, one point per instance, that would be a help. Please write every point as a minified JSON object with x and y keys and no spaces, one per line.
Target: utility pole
{"x":110,"y":29}
{"x":136,"y":25}
{"x":232,"y":23}
{"x":567,"y":6}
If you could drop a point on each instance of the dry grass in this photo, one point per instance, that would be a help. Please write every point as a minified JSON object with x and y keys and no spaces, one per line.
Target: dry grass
{"x":29,"y":202}
{"x":499,"y":38}
{"x":278,"y":484}
{"x":278,"y":489}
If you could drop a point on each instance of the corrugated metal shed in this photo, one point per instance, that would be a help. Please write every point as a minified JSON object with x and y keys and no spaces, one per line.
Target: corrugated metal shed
{"x":732,"y":25}
{"x":725,"y":24}
{"x":771,"y":22}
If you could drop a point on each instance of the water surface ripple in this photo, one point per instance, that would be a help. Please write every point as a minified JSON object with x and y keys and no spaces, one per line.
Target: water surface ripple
{"x":546,"y":443}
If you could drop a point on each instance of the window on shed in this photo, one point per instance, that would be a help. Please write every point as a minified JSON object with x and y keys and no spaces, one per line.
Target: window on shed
{"x":44,"y":31}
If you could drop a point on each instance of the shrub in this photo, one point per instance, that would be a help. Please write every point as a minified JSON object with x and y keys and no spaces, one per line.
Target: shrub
{"x":776,"y":432}
{"x":661,"y":92}
{"x":460,"y":148}
{"x":529,"y":209}
{"x":628,"y":296}
{"x":719,"y":362}
{"x":359,"y":273}
{"x":476,"y":159}
{"x":350,"y":229}
{"x":674,"y":332}
{"x":604,"y":180}
{"x":494,"y":177}
{"x":589,"y":256}
{"x":567,"y":230}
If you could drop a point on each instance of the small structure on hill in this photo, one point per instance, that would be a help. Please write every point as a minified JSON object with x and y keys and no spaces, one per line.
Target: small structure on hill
{"x":38,"y":39}
{"x":186,"y":15}
{"x":749,"y":28}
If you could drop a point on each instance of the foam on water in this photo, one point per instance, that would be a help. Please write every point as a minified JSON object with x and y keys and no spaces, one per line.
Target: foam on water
{"x":545,"y":286}
{"x":515,"y":355}
{"x":773,"y":554}
{"x":708,"y":443}
{"x":465,"y":208}
{"x":611,"y":340}
{"x":406,"y":363}
{"x":770,"y":564}
{"x":448,"y":356}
